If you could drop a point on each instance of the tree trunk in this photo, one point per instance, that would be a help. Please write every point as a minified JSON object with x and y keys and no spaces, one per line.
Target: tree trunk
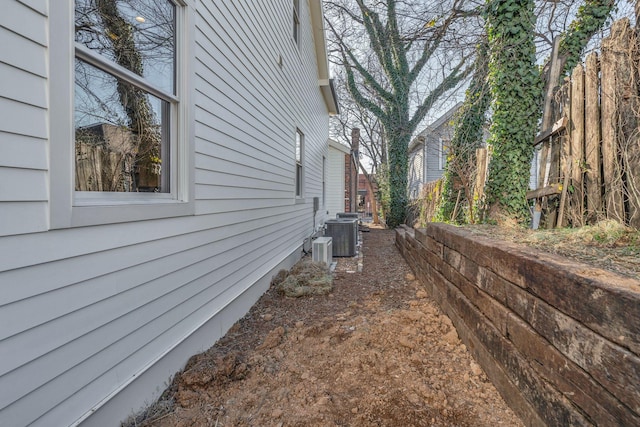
{"x":398,"y":169}
{"x":516,"y":88}
{"x":134,"y":101}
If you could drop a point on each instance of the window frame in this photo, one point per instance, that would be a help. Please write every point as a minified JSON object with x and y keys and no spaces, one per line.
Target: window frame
{"x":299,"y":165}
{"x":296,"y":22}
{"x":442,"y":154}
{"x":70,"y":208}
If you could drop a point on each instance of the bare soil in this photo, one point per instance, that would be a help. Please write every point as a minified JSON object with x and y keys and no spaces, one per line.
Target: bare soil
{"x":376,"y":351}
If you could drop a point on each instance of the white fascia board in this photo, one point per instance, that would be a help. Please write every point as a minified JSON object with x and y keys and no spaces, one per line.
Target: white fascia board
{"x":320,"y":45}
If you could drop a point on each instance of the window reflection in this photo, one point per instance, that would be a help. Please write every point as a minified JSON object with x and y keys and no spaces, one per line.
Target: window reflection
{"x":121,"y":134}
{"x":138,"y":35}
{"x":299,"y":148}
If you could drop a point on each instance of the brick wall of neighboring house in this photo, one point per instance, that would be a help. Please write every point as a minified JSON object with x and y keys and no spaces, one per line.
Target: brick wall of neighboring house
{"x":347,"y":182}
{"x":364,"y":202}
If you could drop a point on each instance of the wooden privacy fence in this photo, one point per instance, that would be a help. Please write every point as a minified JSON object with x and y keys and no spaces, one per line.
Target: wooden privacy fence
{"x":424,"y":208}
{"x":469,"y":182}
{"x":590,"y":157}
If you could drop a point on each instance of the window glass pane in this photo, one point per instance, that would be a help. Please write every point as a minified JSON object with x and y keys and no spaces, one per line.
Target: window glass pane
{"x":296,"y":19}
{"x":138,"y":35}
{"x":298,"y":180}
{"x":121,"y":134}
{"x":443,"y":153}
{"x":298,"y":146}
{"x":324,"y":186}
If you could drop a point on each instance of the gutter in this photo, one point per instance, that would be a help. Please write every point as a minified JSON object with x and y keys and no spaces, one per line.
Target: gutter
{"x":320,"y":44}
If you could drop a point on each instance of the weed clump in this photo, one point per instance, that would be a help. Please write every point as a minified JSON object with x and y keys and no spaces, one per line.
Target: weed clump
{"x":305,"y":278}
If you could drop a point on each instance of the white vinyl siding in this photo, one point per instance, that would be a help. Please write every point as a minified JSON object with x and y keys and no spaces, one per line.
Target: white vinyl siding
{"x":335,"y":181}
{"x":428,"y":149}
{"x":40,"y":6}
{"x":23,"y":119}
{"x":86,"y":311}
{"x":433,"y":159}
{"x":253,"y":101}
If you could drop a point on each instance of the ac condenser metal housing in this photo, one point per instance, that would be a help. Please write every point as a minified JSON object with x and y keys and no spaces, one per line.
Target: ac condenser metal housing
{"x":322,"y":250}
{"x":350,"y":215}
{"x":344,"y":234}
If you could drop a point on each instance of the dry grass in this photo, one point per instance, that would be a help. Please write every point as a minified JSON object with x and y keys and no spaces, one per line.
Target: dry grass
{"x":154,"y":412}
{"x":607,"y":245}
{"x":306,"y":278}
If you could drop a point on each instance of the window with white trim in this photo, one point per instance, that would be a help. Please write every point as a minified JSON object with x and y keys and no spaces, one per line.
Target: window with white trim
{"x":124,"y":141}
{"x":125,"y":97}
{"x":296,"y":21}
{"x":443,"y":151}
{"x":299,"y":158}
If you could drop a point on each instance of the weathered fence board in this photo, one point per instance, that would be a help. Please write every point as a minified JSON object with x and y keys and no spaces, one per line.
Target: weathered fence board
{"x":628,"y":110}
{"x":592,"y":140}
{"x":547,"y":113}
{"x":577,"y":144}
{"x":611,"y":52}
{"x":602,"y":102}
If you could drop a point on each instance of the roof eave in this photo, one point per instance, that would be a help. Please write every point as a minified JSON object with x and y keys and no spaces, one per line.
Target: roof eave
{"x":320,"y":44}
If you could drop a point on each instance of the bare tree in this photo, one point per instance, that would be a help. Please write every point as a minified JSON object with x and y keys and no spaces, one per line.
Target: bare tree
{"x":352,"y":115}
{"x":372,"y":145}
{"x":400,"y":57}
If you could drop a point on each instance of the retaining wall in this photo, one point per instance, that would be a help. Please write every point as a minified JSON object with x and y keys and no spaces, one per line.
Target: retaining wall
{"x":559,"y":339}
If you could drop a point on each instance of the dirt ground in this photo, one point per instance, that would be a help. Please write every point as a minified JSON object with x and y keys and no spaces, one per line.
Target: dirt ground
{"x":376,"y":351}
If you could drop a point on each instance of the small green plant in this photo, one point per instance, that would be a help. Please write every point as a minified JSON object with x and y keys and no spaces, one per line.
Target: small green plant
{"x":591,"y":16}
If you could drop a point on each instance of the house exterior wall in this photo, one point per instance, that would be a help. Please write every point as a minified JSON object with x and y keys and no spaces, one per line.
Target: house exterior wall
{"x":434,"y":166}
{"x":426,"y":161}
{"x":426,"y":155}
{"x":365,"y":196}
{"x":95,"y":319}
{"x":336,"y":189}
{"x":23,"y":118}
{"x":348,"y":182}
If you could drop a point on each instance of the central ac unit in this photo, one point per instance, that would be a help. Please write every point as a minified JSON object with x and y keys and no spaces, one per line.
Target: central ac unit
{"x":350,"y":215}
{"x":344,"y":233}
{"x":322,"y":250}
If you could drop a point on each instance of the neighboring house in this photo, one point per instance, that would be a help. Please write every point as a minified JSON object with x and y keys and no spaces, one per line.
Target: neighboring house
{"x":364,"y":195}
{"x":222,"y":110}
{"x":336,"y":187}
{"x":428,"y":152}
